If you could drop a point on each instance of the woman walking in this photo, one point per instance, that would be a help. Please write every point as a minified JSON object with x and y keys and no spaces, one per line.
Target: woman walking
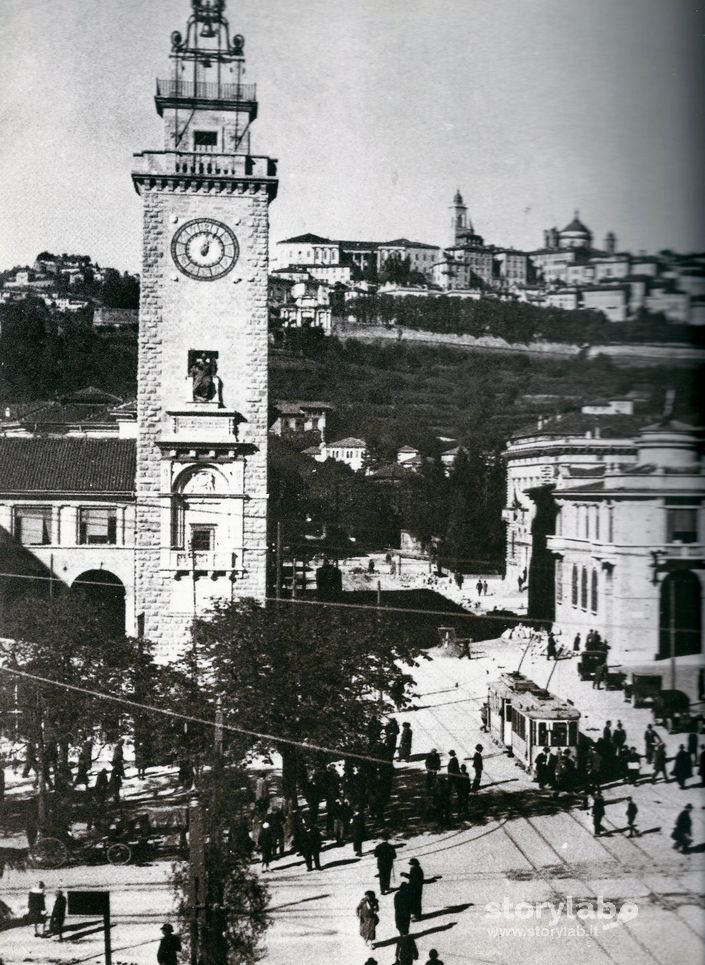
{"x":367,"y":912}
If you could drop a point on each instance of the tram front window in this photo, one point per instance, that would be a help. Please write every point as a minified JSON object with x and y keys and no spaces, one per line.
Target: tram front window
{"x":559,"y":735}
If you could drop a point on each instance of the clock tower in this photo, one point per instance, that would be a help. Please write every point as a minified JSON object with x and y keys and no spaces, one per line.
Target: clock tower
{"x":201,"y":482}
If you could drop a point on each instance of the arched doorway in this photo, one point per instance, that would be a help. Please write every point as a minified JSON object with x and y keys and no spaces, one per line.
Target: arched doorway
{"x":106,"y":593}
{"x":681,"y":596}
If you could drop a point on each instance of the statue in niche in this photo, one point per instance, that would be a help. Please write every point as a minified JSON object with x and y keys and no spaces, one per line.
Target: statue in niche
{"x":206,"y":384}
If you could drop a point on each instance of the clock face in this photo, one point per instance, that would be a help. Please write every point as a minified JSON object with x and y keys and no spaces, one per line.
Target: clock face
{"x":204,"y":249}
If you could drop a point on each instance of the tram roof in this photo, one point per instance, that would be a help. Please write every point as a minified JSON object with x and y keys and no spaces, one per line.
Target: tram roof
{"x":533,"y":700}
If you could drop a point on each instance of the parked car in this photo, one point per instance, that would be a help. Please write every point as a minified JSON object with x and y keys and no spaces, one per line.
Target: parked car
{"x":672,"y":709}
{"x":644,"y":688}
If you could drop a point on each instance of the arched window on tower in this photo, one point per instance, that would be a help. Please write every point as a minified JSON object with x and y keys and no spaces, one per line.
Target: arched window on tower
{"x":593,"y":592}
{"x":583,"y":589}
{"x":574,"y":586}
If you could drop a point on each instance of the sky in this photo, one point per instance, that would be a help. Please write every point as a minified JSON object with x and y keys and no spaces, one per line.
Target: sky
{"x":378,"y":110}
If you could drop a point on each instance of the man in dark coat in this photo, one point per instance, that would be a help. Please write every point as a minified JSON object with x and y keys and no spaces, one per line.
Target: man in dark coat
{"x":632,"y":811}
{"x":463,"y":788}
{"x":385,"y":853}
{"x":598,"y":812}
{"x":58,"y":915}
{"x":357,"y":828}
{"x":477,"y":766}
{"x":659,"y":762}
{"x":407,"y":952}
{"x":169,"y":946}
{"x":650,"y":741}
{"x":433,"y":766}
{"x":314,"y":841}
{"x":416,"y":880}
{"x":453,"y":768}
{"x":682,"y":832}
{"x":407,"y":736}
{"x":391,"y":733}
{"x":402,"y":908}
{"x":36,"y":908}
{"x":551,"y":649}
{"x":682,"y":768}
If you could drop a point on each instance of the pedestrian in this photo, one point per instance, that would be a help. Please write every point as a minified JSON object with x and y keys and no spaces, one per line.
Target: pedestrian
{"x":82,"y":768}
{"x":407,"y":736}
{"x":406,"y":952}
{"x":632,"y":811}
{"x":416,"y":881}
{"x":453,"y":768}
{"x":619,"y":735}
{"x":683,"y":830}
{"x":433,"y":958}
{"x":102,"y":787}
{"x":385,"y":853}
{"x":651,"y":738}
{"x":599,"y":676}
{"x":114,"y":785}
{"x":682,"y":768}
{"x":36,"y":908}
{"x":659,"y":762}
{"x":433,"y":766}
{"x":441,"y":800}
{"x":169,"y":946}
{"x":477,"y":765}
{"x":576,"y":643}
{"x":607,"y":732}
{"x":367,"y":912}
{"x":701,"y":765}
{"x":402,"y":908}
{"x":590,"y":639}
{"x":484,"y":587}
{"x":478,"y":587}
{"x":633,"y":766}
{"x":391,"y":733}
{"x":598,"y":812}
{"x":58,"y":915}
{"x":314,"y":842}
{"x":463,"y":791}
{"x":540,"y":764}
{"x":341,"y":818}
{"x":118,"y":761}
{"x":266,"y":844}
{"x":141,"y":757}
{"x":484,"y":717}
{"x":551,"y":648}
{"x":262,"y":794}
{"x":693,"y":746}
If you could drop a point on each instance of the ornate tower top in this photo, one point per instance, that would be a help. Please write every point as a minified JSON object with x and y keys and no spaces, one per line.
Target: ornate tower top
{"x":207,"y":23}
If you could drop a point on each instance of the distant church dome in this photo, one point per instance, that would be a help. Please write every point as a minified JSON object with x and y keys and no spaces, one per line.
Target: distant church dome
{"x":575,"y":234}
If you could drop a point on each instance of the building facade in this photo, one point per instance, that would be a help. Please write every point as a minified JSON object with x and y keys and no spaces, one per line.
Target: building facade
{"x":629,"y":548}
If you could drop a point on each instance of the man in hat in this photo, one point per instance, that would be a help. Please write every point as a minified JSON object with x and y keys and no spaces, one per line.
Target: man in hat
{"x":477,"y":766}
{"x":169,"y":946}
{"x":385,"y":853}
{"x":682,"y":832}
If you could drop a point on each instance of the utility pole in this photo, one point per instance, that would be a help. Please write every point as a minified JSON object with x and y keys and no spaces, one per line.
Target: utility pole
{"x":672,"y":627}
{"x":278,"y":564}
{"x":197,"y":878}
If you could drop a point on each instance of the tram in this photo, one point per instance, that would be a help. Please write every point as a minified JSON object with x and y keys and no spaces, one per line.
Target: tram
{"x":524,"y":719}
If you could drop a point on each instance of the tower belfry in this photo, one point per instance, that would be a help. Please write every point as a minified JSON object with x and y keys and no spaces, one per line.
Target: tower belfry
{"x":202,"y":370}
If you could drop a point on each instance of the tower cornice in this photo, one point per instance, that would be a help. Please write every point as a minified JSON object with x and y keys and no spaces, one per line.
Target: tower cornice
{"x":194,"y":173}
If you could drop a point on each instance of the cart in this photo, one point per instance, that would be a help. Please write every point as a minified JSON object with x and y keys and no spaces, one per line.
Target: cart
{"x":589,"y":661}
{"x":672,"y":709}
{"x":644,"y":688}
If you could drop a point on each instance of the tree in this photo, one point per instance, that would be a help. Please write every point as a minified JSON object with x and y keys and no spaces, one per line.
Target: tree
{"x":298,"y":675}
{"x":66,"y":641}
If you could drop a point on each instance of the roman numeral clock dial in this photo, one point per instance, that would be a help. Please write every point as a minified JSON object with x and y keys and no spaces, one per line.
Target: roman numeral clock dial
{"x":204,"y":249}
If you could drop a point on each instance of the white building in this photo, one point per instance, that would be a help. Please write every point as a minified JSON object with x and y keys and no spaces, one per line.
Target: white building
{"x":351,"y":451}
{"x":629,"y":548}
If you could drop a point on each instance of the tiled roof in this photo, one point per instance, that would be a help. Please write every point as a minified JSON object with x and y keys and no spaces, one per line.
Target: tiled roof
{"x":350,"y":442}
{"x":306,"y":239}
{"x":70,"y":413}
{"x":405,"y":243}
{"x":67,"y":465}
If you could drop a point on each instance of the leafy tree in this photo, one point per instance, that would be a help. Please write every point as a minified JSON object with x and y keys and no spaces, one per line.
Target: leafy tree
{"x":302,"y":674}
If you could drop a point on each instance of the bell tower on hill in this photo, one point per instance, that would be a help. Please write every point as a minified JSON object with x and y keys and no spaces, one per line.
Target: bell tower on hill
{"x":202,"y":373}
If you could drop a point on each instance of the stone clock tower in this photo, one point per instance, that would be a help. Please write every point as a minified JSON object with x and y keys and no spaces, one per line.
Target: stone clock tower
{"x":202,"y":374}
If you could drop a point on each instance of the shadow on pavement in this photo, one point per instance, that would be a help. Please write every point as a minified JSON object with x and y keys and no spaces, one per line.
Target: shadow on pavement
{"x":416,"y":934}
{"x":450,"y":910}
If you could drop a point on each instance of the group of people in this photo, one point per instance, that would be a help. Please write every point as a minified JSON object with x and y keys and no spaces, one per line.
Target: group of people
{"x":407,"y":902}
{"x":456,"y":781}
{"x":46,"y":925}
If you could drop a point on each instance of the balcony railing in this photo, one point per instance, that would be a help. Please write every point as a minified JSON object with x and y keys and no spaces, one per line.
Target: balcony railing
{"x":207,"y":91}
{"x":182,"y":163}
{"x":187,"y":561}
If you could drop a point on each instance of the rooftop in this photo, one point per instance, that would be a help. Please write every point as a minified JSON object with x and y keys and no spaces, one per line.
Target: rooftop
{"x":61,"y":465}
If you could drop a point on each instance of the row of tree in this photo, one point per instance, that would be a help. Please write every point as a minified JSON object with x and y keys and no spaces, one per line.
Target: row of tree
{"x":513,"y":321}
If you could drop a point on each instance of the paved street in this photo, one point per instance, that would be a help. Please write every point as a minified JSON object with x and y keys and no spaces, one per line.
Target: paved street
{"x":520,"y":848}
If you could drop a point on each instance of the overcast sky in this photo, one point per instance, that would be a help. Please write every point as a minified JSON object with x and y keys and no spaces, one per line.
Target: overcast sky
{"x":377,"y":111}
